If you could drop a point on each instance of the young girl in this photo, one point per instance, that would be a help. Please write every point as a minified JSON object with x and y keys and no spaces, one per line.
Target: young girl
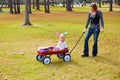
{"x":60,"y":46}
{"x":61,"y":43}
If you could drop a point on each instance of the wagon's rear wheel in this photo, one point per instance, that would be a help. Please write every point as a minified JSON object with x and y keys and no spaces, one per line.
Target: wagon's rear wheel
{"x":39,"y":57}
{"x":60,"y":56}
{"x":67,"y":58}
{"x":46,"y":60}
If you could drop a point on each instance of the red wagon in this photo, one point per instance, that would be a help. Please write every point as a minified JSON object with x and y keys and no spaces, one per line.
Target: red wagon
{"x":45,"y":56}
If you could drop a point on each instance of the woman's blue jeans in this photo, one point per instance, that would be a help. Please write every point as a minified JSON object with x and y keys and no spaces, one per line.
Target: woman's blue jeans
{"x":95,"y":33}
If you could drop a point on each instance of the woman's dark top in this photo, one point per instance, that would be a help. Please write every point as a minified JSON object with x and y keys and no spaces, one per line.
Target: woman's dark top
{"x":94,"y":20}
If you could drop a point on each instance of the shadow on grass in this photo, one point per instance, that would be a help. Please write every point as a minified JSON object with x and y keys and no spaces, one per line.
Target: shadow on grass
{"x":105,"y":60}
{"x":61,"y":62}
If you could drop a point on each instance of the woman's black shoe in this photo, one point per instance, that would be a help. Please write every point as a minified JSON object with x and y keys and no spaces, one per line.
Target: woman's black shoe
{"x":85,"y":55}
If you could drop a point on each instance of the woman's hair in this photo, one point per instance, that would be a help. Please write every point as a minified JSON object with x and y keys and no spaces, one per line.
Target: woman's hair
{"x":94,"y":6}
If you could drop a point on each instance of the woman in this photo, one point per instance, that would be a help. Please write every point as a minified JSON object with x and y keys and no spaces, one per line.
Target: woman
{"x":94,"y":18}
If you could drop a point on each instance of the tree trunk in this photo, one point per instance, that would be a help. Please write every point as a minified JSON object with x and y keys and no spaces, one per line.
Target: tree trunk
{"x":11,"y":7}
{"x":30,"y":7}
{"x":119,"y":2}
{"x":1,"y":6}
{"x":68,"y":5}
{"x":27,"y":20}
{"x":8,"y":3}
{"x":100,"y":3}
{"x":18,"y":6}
{"x":37,"y":5}
{"x":15,"y":11}
{"x":5,"y":3}
{"x":111,"y":5}
{"x":72,"y":3}
{"x":33,"y":4}
{"x":46,"y":6}
{"x":52,"y":3}
{"x":63,"y":3}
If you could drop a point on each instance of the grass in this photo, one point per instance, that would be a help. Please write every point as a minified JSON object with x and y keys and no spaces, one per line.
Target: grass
{"x":18,"y":46}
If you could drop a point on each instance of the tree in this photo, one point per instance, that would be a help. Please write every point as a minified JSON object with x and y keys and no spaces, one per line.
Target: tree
{"x":72,"y":3}
{"x":33,"y":4}
{"x":99,"y":3}
{"x":15,"y":11}
{"x":63,"y":3}
{"x":27,"y":20}
{"x":68,"y":5}
{"x":11,"y":7}
{"x":37,"y":5}
{"x":52,"y":2}
{"x":46,"y":6}
{"x":111,"y":5}
{"x":8,"y":3}
{"x":119,"y":2}
{"x":18,"y":6}
{"x":2,"y":5}
{"x":30,"y":7}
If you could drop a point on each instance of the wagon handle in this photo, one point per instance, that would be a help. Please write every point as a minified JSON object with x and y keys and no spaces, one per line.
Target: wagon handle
{"x":77,"y":42}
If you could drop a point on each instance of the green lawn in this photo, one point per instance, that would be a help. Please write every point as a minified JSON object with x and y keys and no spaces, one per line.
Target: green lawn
{"x":18,"y":46}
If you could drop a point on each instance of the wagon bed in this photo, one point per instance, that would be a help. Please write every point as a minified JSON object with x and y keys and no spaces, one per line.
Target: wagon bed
{"x":45,"y":56}
{"x":53,"y":52}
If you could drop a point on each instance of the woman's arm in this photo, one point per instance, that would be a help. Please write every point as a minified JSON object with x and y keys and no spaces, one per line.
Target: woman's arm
{"x":102,"y":20}
{"x":88,"y":21}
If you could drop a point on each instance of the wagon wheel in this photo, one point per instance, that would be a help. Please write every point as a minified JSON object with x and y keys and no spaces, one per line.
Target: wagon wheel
{"x":39,"y":57}
{"x":60,"y":56}
{"x":67,"y":58}
{"x":46,"y":60}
